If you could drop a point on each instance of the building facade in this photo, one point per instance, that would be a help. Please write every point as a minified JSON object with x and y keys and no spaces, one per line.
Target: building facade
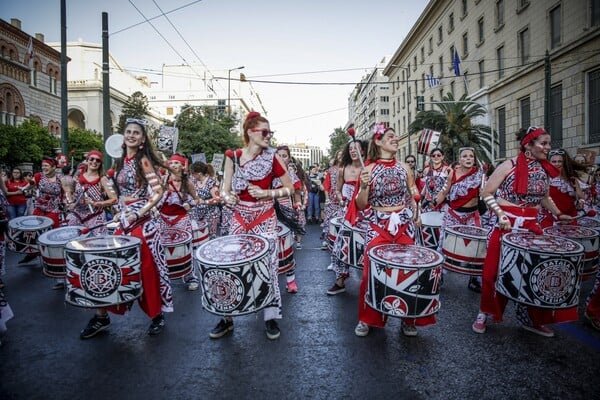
{"x":30,"y":82}
{"x":307,"y":155}
{"x":530,"y":63}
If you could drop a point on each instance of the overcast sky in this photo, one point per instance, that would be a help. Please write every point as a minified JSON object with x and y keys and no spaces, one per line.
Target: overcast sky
{"x":276,"y":40}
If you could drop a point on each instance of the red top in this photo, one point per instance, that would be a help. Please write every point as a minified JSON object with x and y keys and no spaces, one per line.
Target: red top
{"x":13,"y":186}
{"x":264,"y":183}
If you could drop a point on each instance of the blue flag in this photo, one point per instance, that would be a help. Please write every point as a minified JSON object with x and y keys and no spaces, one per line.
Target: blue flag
{"x":456,"y":63}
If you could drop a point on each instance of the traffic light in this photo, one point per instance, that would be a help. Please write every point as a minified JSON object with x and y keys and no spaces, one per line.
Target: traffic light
{"x":420,"y":103}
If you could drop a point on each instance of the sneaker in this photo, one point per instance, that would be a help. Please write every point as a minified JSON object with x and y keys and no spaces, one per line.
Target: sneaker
{"x":96,"y":325}
{"x":324,"y":245}
{"x":157,"y":325}
{"x":474,"y":285}
{"x":595,"y":322}
{"x":28,"y":258}
{"x":479,"y":324}
{"x":193,"y":286}
{"x":272,"y":329}
{"x":299,"y":246}
{"x":223,"y":327}
{"x":408,"y":330}
{"x":292,"y":287}
{"x":541,"y":330}
{"x":336,"y":289}
{"x":58,"y":286}
{"x":361,"y":329}
{"x":330,"y":267}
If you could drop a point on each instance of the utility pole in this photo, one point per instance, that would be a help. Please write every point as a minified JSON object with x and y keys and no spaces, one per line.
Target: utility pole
{"x":105,"y":86}
{"x":64,"y":121}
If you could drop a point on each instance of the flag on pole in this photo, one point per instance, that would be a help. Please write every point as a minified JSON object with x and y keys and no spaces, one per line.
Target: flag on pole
{"x":428,"y":140}
{"x":30,"y":51}
{"x":433,"y":81}
{"x":456,"y":63}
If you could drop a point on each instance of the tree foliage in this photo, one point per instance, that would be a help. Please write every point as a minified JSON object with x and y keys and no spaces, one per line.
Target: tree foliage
{"x":206,"y":130}
{"x":82,"y":141}
{"x":28,"y":142}
{"x":455,"y":121}
{"x":337,"y":141}
{"x":135,"y":107}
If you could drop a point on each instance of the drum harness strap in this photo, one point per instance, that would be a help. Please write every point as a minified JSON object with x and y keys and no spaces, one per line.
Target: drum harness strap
{"x":463,"y":219}
{"x":260,"y":219}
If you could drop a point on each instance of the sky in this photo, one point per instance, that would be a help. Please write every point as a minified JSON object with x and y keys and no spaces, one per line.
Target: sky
{"x":305,"y":41}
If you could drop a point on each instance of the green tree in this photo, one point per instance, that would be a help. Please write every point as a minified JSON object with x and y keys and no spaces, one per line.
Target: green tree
{"x":454,"y":120}
{"x":82,"y":141}
{"x":135,"y":107}
{"x":337,"y":141}
{"x":206,"y":130}
{"x":28,"y":142}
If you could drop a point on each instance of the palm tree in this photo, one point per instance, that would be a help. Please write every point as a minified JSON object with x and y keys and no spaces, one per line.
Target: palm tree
{"x":454,"y":119}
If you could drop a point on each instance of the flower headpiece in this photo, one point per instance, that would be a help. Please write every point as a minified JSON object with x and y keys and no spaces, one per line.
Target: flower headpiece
{"x":379,"y":130}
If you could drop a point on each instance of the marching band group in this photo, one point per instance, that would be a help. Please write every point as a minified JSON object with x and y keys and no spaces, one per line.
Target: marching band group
{"x":369,"y":194}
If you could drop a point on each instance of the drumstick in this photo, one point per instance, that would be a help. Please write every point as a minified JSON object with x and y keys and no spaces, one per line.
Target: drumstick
{"x":351,"y":132}
{"x":590,"y":213}
{"x":85,"y":231}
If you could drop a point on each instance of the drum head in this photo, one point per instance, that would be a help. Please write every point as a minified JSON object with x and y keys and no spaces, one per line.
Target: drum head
{"x":570,"y":231}
{"x":30,"y":223}
{"x":432,"y":218}
{"x":406,"y":256}
{"x":542,"y":243}
{"x":588,"y":222}
{"x":103,"y":243}
{"x":232,"y":249}
{"x":113,"y":145}
{"x":467,"y":231}
{"x":61,"y":235}
{"x":175,"y":236}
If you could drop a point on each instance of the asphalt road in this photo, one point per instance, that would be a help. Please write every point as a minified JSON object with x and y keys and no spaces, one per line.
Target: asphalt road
{"x":317,"y":356}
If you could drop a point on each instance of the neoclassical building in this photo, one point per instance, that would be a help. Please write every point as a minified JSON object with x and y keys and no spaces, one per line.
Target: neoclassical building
{"x":530,"y":63}
{"x":29,"y":78}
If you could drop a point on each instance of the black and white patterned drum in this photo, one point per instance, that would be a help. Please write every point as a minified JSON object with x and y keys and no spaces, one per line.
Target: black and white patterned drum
{"x":588,"y":222}
{"x":235,"y":273}
{"x":52,"y":248}
{"x":177,"y":248}
{"x":464,"y":249}
{"x":404,"y":280}
{"x":23,"y":232}
{"x":334,"y":227}
{"x":200,"y":234}
{"x":352,"y":245}
{"x":587,"y":237}
{"x":103,"y":271}
{"x":539,"y":270}
{"x":285,"y":252}
{"x":428,"y":235}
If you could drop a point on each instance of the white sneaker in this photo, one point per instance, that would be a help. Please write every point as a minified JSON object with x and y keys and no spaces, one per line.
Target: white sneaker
{"x":330,"y":267}
{"x":361,"y":329}
{"x":479,"y":324}
{"x":193,"y":286}
{"x":409,"y":330}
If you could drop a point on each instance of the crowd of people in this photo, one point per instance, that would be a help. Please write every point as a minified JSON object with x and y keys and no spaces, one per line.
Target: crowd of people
{"x":376,"y":200}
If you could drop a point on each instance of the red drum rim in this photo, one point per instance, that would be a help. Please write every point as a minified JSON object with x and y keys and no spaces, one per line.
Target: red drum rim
{"x":208,"y":251}
{"x":60,"y":236}
{"x":172,"y":236}
{"x":467,"y":231}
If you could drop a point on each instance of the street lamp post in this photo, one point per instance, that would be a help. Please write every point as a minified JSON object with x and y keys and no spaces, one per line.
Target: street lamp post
{"x":229,"y":88}
{"x":406,"y":99}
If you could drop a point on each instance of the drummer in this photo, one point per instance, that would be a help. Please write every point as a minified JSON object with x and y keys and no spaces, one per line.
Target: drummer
{"x":246,"y":187}
{"x":435,"y":176}
{"x":462,"y":193}
{"x":93,"y":191}
{"x":138,"y":184}
{"x":348,"y":175}
{"x":178,"y":200}
{"x":208,"y":210}
{"x":332,"y":202}
{"x":565,"y":190}
{"x":389,"y":197}
{"x":4,"y":216}
{"x":520,"y":186}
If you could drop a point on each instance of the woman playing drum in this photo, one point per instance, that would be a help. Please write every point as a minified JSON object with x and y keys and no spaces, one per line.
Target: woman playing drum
{"x":139,"y":189}
{"x":565,"y":191}
{"x":3,"y":228}
{"x":435,"y":176}
{"x":387,"y":194}
{"x":332,"y":201}
{"x":208,"y":210}
{"x":93,"y":191}
{"x":179,"y":198}
{"x":462,"y":193}
{"x":246,"y":187}
{"x":348,"y":175}
{"x":520,"y":185}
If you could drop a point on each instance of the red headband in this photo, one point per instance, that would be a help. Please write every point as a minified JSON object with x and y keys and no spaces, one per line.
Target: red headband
{"x":534,"y":134}
{"x":176,"y":157}
{"x":95,"y":153}
{"x":50,"y":161}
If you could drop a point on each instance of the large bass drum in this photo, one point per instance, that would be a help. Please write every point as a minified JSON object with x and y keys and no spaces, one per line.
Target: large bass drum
{"x":404,"y":280}
{"x":541,"y":271}
{"x":464,"y":249}
{"x":587,"y":237}
{"x":428,"y":235}
{"x":52,"y":248}
{"x":236,"y":276}
{"x":103,"y":271}
{"x":285,"y":251}
{"x":23,"y":232}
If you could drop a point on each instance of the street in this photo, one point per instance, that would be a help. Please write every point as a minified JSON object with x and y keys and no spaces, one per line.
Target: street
{"x":317,"y":356}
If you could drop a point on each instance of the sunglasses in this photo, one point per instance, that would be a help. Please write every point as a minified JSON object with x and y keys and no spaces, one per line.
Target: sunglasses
{"x":436,"y":155}
{"x":556,"y":153}
{"x":141,"y":122}
{"x":410,"y":161}
{"x":264,"y":132}
{"x":94,"y":159}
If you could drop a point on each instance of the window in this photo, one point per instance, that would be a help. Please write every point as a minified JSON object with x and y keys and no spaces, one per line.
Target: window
{"x":415,"y":63}
{"x":171,"y":97}
{"x":34,"y":74}
{"x":500,"y":58}
{"x":525,"y":109}
{"x":452,"y":88}
{"x":384,"y":99}
{"x":593,"y":112}
{"x":481,"y":73}
{"x":524,"y":46}
{"x":480,"y":31}
{"x":463,"y":8}
{"x":423,"y":83}
{"x":441,"y":66}
{"x":501,"y":124}
{"x":169,"y":110}
{"x":555,"y":27}
{"x":450,"y":22}
{"x":53,"y":84}
{"x":430,"y":50}
{"x":499,"y":14}
{"x":440,"y":34}
{"x":422,"y":54}
{"x":595,"y":12}
{"x":384,"y":111}
{"x":555,"y":128}
{"x":465,"y":44}
{"x":408,"y":71}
